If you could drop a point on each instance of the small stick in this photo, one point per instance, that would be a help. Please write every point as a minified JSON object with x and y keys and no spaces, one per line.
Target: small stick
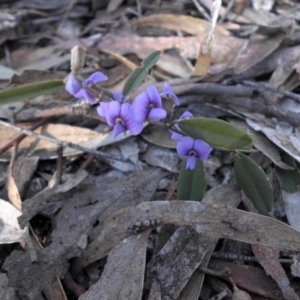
{"x":271,"y":88}
{"x":22,"y":136}
{"x":59,"y":163}
{"x":58,"y":142}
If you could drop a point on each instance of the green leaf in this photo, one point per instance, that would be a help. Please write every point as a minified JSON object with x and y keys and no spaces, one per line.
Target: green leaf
{"x":216,"y":133}
{"x":140,"y":73}
{"x":191,"y":183}
{"x":289,"y":179}
{"x":31,"y":90}
{"x":151,"y":59}
{"x":254,"y":182}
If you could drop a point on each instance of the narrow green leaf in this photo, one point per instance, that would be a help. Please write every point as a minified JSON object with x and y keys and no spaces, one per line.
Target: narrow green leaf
{"x":31,"y":90}
{"x":151,"y":59}
{"x":289,"y":179}
{"x":191,"y":183}
{"x":216,"y":133}
{"x":134,"y":80}
{"x":254,"y":182}
{"x":140,"y":73}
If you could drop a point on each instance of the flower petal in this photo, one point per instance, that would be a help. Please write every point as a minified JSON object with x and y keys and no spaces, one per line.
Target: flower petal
{"x":186,"y":115}
{"x":140,"y":108}
{"x":202,"y":149}
{"x":167,"y":88}
{"x":118,"y":128}
{"x":73,"y":85}
{"x":95,"y":77}
{"x":157,"y":114}
{"x":102,"y":109}
{"x":88,"y":97}
{"x":176,"y":136}
{"x":154,"y":96}
{"x":113,"y":112}
{"x":191,"y":162}
{"x":184,"y":146}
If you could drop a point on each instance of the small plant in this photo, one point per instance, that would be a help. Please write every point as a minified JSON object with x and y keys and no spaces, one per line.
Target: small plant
{"x":196,"y":136}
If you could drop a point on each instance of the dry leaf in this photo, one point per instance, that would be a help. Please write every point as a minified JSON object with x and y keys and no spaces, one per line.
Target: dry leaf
{"x":255,"y":51}
{"x":47,"y":150}
{"x":123,"y":275}
{"x":10,"y":231}
{"x":188,"y":24}
{"x":34,"y":205}
{"x":268,"y":258}
{"x":204,"y":55}
{"x":213,"y":221}
{"x":281,"y":135}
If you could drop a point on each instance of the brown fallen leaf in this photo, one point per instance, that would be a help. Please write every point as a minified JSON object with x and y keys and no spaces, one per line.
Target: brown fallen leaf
{"x":187,"y":24}
{"x":47,"y":150}
{"x":224,"y":48}
{"x":123,"y":275}
{"x":251,"y":278}
{"x":268,"y":258}
{"x":257,"y":49}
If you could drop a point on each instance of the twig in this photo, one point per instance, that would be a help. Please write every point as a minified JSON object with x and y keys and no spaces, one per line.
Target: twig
{"x":59,"y":163}
{"x":22,"y":136}
{"x":202,"y":10}
{"x":271,"y":88}
{"x":58,"y":142}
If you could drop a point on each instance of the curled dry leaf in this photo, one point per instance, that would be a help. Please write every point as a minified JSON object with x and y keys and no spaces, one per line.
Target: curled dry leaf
{"x":10,"y":231}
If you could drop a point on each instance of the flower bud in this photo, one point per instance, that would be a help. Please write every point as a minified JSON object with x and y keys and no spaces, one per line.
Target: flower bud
{"x":77,"y":59}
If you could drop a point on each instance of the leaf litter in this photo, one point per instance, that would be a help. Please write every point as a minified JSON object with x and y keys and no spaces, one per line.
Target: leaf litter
{"x":253,"y":55}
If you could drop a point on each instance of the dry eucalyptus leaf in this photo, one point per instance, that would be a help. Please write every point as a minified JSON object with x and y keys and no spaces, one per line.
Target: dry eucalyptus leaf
{"x":281,"y":136}
{"x":174,"y":265}
{"x":34,"y":205}
{"x":218,"y":195}
{"x":10,"y":231}
{"x":123,"y":275}
{"x":188,"y":24}
{"x":292,"y":208}
{"x":161,"y":157}
{"x":262,"y":143}
{"x":213,"y":221}
{"x":224,"y":48}
{"x":255,"y":51}
{"x":268,"y":258}
{"x":46,"y":150}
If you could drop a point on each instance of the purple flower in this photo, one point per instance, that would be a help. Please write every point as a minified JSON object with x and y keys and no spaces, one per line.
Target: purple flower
{"x":193,"y":149}
{"x":118,"y":115}
{"x":119,"y":96}
{"x":168,"y":92}
{"x":102,"y":109}
{"x":178,"y":136}
{"x":148,"y":105}
{"x":74,"y":86}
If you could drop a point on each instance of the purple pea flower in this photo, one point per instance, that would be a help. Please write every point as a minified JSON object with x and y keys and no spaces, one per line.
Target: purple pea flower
{"x":177,"y":136}
{"x":193,"y":149}
{"x":118,"y":115}
{"x":119,"y":96}
{"x":169,"y":93}
{"x":74,"y":86}
{"x":148,"y":105}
